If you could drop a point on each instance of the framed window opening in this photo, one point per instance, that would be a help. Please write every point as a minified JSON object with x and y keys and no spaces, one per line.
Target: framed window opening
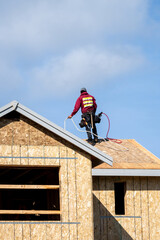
{"x":119,"y":194}
{"x":29,"y":193}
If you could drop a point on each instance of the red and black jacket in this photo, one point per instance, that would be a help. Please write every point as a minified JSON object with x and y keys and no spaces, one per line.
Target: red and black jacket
{"x":86,"y":102}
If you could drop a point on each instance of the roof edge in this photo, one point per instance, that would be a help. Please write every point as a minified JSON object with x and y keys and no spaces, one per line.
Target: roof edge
{"x":126,"y":172}
{"x":8,"y":108}
{"x":145,"y":150}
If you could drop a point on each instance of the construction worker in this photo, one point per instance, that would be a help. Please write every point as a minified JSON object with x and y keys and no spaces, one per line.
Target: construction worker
{"x":88,"y":107}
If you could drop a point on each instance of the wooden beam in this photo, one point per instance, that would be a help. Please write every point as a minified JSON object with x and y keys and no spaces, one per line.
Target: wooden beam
{"x":51,"y":212}
{"x":5,"y":186}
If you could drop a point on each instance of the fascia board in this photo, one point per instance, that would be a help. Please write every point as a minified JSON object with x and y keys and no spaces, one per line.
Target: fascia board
{"x":126,"y":172}
{"x":64,"y":134}
{"x":8,"y":108}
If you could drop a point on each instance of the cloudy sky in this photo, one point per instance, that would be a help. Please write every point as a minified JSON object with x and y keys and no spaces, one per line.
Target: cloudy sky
{"x":50,"y":49}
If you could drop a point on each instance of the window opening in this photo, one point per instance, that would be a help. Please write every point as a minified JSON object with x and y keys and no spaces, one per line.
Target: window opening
{"x":119,"y":193}
{"x":28,"y":193}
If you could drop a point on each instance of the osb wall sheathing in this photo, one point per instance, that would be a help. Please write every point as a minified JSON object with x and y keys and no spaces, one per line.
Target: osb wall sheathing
{"x":26,"y":139}
{"x":142,"y":209}
{"x":26,"y":132}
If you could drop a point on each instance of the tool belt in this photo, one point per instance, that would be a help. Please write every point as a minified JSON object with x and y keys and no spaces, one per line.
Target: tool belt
{"x":94,"y":118}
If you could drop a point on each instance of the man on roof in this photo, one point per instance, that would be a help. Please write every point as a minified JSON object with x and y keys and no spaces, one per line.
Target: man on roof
{"x":88,"y":107}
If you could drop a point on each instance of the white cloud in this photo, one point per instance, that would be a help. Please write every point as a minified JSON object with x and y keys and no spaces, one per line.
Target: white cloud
{"x":48,"y":40}
{"x":85,"y":66}
{"x":50,"y":25}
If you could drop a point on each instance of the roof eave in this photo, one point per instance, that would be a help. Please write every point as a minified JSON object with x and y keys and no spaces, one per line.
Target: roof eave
{"x":126,"y":172}
{"x":8,"y":108}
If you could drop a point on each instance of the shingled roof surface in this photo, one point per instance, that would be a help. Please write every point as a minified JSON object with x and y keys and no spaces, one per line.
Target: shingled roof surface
{"x":128,"y":155}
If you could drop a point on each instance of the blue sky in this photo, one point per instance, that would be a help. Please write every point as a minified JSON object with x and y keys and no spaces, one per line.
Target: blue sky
{"x":50,"y":49}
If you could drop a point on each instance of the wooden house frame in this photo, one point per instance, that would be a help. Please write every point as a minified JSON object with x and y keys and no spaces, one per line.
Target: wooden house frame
{"x":136,"y":172}
{"x":58,"y":186}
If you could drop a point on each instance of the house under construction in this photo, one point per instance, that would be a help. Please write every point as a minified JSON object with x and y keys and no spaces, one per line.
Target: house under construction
{"x":53,"y":185}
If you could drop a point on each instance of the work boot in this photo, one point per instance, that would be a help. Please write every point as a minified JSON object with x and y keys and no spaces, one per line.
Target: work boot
{"x":96,"y":140}
{"x":89,"y":141}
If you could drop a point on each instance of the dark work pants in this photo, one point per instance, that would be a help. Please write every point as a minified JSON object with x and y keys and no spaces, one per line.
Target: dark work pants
{"x":89,"y":117}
